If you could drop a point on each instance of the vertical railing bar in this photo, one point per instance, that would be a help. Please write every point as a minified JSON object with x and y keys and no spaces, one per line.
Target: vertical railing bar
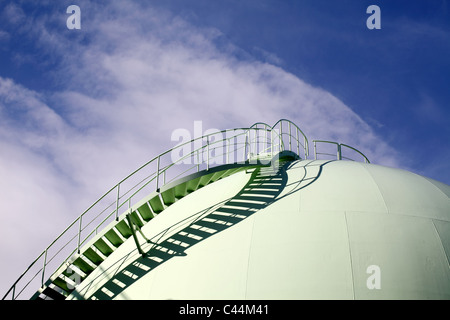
{"x":245,"y":146}
{"x":281,"y":136}
{"x":227,"y":157}
{"x":43,"y":269}
{"x":117,"y":202}
{"x":207,"y":153}
{"x":290,"y":145}
{"x":79,"y":235}
{"x":198,"y":160}
{"x":306,"y":147}
{"x":256,"y":140}
{"x":315,"y":151}
{"x":157,"y":174}
{"x":265,"y":139}
{"x":271,"y":143}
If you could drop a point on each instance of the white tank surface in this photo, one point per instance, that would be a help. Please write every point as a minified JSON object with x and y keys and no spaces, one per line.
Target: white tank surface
{"x":314,"y":229}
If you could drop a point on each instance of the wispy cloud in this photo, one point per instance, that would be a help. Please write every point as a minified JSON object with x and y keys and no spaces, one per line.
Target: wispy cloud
{"x":132,"y":76}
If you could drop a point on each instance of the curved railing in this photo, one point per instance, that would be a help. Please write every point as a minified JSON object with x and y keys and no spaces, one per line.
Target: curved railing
{"x":339,"y":154}
{"x":290,"y":136}
{"x":241,"y":145}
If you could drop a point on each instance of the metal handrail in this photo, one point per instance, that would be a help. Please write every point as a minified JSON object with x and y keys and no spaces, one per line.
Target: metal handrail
{"x":338,"y":151}
{"x":154,"y":177}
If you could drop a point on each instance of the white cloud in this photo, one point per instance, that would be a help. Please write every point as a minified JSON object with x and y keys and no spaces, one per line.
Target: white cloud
{"x":141,"y":75}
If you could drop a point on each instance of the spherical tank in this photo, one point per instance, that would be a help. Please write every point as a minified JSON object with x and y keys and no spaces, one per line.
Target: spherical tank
{"x":312,"y":229}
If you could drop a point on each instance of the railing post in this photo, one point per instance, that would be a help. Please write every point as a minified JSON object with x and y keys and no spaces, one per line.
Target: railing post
{"x":339,"y":152}
{"x":157,"y":174}
{"x":271,"y":143}
{"x":227,"y":155}
{"x":265,"y":139}
{"x":79,"y":235}
{"x":281,"y":136}
{"x":315,"y":150}
{"x":245,"y":147}
{"x":256,"y":141}
{"x":43,"y":268}
{"x":198,"y":161}
{"x":117,"y":202}
{"x":306,"y":147}
{"x":290,"y":145}
{"x":207,"y":153}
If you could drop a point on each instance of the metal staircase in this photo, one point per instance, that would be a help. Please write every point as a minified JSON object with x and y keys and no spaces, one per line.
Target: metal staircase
{"x":80,"y":265}
{"x":263,"y":187}
{"x":122,"y":211}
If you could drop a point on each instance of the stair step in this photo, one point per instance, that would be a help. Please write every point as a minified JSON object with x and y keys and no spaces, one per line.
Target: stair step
{"x":113,"y":237}
{"x":61,"y":283}
{"x":124,"y":229}
{"x":193,"y":184}
{"x":93,"y":256}
{"x":74,"y":272}
{"x":168,"y":197}
{"x":204,"y":180}
{"x":217,"y":176}
{"x":104,"y":248}
{"x":55,"y":295}
{"x":145,"y":212}
{"x":156,"y":204}
{"x":181,"y":190}
{"x":83,"y":265}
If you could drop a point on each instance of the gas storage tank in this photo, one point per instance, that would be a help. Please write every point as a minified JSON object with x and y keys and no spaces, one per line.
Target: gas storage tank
{"x":266,"y":222}
{"x":314,"y":230}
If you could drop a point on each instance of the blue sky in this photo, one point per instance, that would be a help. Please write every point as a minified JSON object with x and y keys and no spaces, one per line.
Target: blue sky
{"x":80,"y":109}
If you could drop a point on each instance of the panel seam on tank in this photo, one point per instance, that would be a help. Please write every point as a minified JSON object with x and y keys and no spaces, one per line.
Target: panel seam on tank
{"x":350,"y":253}
{"x":431,"y":183}
{"x":248,"y":259}
{"x":440,"y":241}
{"x":415,"y":215}
{"x":376,"y":184}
